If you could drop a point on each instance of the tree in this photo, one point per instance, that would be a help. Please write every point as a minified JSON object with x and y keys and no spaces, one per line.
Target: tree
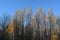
{"x":33,"y":27}
{"x":5,"y":23}
{"x":22,"y":23}
{"x":52,"y":24}
{"x":37,"y":18}
{"x":16,"y":29}
{"x":44,"y":24}
{"x":58,"y":23}
{"x":10,"y":30}
{"x":29,"y":18}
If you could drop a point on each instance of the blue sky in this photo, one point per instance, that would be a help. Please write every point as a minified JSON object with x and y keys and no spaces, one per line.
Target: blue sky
{"x":10,"y":6}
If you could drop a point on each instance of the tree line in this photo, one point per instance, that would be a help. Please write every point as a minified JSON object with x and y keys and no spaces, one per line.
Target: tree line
{"x":27,"y":26}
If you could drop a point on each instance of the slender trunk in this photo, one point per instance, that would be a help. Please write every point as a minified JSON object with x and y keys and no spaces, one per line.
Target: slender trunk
{"x":38,"y":31}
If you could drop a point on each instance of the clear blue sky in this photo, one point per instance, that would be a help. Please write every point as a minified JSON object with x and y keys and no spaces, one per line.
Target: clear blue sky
{"x":10,"y":6}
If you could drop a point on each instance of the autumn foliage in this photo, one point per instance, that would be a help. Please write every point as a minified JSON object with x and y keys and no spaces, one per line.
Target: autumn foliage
{"x":27,"y":26}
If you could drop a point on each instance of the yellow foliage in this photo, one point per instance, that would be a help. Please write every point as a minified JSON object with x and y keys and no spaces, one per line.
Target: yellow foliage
{"x":38,"y":10}
{"x":53,"y":37}
{"x":52,"y":20}
{"x":10,"y":29}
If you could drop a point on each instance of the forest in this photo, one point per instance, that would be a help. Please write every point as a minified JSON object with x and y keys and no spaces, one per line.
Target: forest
{"x":30,"y":26}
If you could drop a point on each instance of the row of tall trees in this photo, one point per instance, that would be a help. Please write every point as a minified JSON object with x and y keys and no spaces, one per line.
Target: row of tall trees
{"x":27,"y":26}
